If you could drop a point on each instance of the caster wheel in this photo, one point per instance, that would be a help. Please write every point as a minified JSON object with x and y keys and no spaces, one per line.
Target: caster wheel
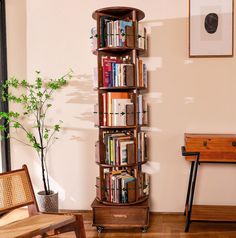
{"x":99,"y":229}
{"x":144,"y":229}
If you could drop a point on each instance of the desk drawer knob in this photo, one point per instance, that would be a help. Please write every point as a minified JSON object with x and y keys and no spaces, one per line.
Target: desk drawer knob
{"x":205,"y":143}
{"x":234,"y":143}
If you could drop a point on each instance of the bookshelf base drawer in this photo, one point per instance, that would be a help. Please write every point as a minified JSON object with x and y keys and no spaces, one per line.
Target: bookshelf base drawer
{"x":120,"y":216}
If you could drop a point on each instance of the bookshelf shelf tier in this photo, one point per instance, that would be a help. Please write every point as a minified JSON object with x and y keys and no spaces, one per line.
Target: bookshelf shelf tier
{"x":121,"y":112}
{"x":125,"y":204}
{"x":124,"y":165}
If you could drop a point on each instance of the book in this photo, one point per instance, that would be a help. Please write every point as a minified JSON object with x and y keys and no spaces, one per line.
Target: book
{"x":104,"y":110}
{"x":142,"y":37}
{"x":130,"y":153}
{"x":129,"y":75}
{"x":110,"y":97}
{"x":119,"y":114}
{"x":98,"y":188}
{"x":129,"y":42}
{"x":96,"y":115}
{"x":123,"y":32}
{"x":97,"y":154}
{"x":124,"y":151}
{"x":130,"y":114}
{"x":93,"y":38}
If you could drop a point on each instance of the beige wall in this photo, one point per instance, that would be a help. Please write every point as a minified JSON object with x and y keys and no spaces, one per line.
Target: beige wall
{"x":185,"y":95}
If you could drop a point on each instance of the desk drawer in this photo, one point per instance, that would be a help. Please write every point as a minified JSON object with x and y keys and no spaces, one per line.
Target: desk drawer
{"x":212,"y":147}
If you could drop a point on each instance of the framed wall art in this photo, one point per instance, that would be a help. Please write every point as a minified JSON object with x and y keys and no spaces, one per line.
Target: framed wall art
{"x":211,"y":28}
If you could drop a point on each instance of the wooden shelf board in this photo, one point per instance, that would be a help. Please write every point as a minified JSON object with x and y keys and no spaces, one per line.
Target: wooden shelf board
{"x":117,"y":88}
{"x":213,"y":213}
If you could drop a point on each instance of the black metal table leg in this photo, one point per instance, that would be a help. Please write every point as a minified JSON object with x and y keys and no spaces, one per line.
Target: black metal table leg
{"x":191,"y":194}
{"x":189,"y":186}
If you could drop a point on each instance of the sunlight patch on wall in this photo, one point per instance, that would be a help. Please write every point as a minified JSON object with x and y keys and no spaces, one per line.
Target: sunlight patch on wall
{"x":151,"y":167}
{"x":188,"y":61}
{"x":151,"y":129}
{"x":152,"y":63}
{"x":154,"y":97}
{"x":151,"y":24}
{"x":188,"y":100}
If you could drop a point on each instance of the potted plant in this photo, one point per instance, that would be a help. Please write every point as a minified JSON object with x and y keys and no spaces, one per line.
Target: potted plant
{"x":35,"y":101}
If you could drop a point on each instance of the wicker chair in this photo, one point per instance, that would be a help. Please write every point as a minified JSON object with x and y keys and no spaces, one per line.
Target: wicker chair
{"x":16,"y":191}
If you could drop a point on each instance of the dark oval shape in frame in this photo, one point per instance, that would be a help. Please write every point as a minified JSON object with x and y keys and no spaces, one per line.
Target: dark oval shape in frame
{"x":211,"y":22}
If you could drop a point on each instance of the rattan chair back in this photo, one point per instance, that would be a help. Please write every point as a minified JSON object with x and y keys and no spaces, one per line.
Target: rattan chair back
{"x":15,"y":190}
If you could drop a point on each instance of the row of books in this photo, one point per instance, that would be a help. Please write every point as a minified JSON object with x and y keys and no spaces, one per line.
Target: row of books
{"x":119,"y":148}
{"x":118,"y":33}
{"x":120,"y":187}
{"x":115,"y":33}
{"x":117,"y":71}
{"x":118,"y":109}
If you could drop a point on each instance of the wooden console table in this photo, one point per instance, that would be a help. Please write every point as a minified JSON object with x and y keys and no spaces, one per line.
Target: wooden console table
{"x":207,"y":148}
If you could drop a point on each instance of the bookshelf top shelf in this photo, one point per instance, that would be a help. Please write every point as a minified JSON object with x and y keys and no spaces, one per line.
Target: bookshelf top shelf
{"x":119,"y":12}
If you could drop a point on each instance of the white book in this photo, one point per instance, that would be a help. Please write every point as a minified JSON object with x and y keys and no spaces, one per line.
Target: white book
{"x":141,"y":39}
{"x":124,"y":152}
{"x":140,"y":109}
{"x":119,"y":111}
{"x":93,"y":38}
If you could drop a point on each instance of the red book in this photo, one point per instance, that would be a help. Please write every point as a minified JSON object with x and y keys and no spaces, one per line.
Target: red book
{"x":104,"y":109}
{"x":107,"y":69}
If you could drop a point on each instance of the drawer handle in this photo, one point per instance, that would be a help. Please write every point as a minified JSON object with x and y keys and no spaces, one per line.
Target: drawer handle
{"x":120,"y":216}
{"x":205,"y":143}
{"x":233,"y":143}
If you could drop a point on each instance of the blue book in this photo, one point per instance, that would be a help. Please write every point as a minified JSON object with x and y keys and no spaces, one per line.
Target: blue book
{"x":123,"y":25}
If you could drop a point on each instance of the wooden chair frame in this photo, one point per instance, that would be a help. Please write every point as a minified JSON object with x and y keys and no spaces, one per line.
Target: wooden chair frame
{"x":37,"y":223}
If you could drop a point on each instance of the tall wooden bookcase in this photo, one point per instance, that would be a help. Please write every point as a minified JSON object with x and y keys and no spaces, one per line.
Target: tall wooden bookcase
{"x":122,"y":189}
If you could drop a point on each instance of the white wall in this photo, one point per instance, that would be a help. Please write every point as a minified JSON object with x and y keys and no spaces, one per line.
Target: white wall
{"x":185,"y":95}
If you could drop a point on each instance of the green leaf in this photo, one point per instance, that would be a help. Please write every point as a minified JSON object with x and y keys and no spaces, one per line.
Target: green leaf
{"x":24,"y":83}
{"x":57,"y":127}
{"x":2,"y":128}
{"x":45,"y":136}
{"x":17,"y":125}
{"x":39,"y":83}
{"x":30,"y":137}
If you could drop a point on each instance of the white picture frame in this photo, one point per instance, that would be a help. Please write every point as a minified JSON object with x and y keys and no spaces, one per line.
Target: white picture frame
{"x":211,"y":28}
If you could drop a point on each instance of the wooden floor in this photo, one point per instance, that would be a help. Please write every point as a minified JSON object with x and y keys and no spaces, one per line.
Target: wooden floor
{"x":161,"y":226}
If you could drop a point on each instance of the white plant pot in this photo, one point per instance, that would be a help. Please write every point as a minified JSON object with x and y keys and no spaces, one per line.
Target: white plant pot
{"x":47,"y":203}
